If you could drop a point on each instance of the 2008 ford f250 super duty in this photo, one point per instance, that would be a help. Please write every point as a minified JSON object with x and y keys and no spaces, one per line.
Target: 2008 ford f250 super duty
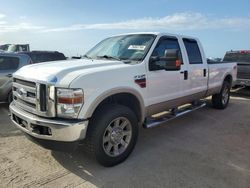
{"x":118,"y":85}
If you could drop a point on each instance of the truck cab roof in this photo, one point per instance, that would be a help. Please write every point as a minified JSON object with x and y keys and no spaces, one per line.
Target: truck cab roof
{"x":158,"y":34}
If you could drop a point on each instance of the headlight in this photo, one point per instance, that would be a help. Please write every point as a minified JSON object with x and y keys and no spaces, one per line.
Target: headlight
{"x":69,"y":102}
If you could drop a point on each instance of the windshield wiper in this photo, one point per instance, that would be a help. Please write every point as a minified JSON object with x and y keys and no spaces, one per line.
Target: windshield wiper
{"x":109,"y":57}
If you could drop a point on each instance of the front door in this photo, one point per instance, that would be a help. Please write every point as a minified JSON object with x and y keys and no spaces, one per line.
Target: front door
{"x":164,"y":86}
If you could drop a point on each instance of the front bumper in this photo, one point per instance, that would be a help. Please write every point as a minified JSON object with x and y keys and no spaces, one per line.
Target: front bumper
{"x":48,"y":129}
{"x":243,"y":82}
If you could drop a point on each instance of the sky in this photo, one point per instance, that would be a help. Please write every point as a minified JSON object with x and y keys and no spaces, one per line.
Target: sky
{"x":74,"y":26}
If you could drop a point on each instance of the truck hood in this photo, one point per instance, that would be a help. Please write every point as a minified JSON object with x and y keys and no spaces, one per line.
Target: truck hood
{"x":54,"y":72}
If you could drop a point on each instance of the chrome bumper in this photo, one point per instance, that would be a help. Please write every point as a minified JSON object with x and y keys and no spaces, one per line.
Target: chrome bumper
{"x":48,"y":129}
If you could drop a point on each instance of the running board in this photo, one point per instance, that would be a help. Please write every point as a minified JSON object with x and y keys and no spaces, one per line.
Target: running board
{"x":170,"y":115}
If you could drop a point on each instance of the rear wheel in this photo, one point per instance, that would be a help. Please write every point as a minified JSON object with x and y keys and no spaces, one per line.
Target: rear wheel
{"x":221,"y":100}
{"x":112,"y":134}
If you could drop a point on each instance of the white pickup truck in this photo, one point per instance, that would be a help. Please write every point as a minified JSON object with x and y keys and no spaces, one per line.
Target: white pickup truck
{"x":125,"y":81}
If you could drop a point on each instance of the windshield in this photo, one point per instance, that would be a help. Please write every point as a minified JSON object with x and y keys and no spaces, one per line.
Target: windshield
{"x":125,"y":47}
{"x":237,"y":57}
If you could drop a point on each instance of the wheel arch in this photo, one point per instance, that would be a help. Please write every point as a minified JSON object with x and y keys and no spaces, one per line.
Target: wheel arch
{"x":229,"y":79}
{"x":124,"y":96}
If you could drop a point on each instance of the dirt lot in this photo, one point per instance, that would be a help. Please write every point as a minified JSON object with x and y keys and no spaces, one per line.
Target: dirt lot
{"x":206,"y":148}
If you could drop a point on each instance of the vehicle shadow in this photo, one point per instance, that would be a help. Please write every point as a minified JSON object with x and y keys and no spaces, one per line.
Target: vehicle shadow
{"x":143,"y":162}
{"x":161,"y":152}
{"x":158,"y":151}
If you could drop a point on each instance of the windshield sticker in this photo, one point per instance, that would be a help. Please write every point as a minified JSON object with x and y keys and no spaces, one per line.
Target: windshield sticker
{"x":136,"y":47}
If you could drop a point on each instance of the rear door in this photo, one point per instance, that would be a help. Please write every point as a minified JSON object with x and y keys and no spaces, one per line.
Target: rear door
{"x":8,"y":65}
{"x":197,"y":69}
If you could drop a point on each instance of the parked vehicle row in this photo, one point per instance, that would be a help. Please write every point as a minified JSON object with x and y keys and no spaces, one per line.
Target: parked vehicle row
{"x":11,"y":62}
{"x":119,"y":85}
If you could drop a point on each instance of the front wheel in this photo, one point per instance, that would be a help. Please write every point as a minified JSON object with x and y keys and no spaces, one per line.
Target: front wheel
{"x":221,"y":100}
{"x":112,"y":134}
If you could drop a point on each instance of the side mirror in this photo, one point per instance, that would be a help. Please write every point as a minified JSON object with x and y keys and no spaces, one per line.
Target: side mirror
{"x":170,"y":61}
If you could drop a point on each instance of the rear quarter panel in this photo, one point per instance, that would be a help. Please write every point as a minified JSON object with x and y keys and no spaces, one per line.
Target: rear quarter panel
{"x":218,"y":72}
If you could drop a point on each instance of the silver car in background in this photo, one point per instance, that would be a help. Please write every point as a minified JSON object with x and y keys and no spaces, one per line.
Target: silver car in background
{"x":10,"y":63}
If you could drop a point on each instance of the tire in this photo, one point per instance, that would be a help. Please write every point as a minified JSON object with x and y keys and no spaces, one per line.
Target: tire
{"x":109,"y":126}
{"x":221,"y":100}
{"x":10,"y":97}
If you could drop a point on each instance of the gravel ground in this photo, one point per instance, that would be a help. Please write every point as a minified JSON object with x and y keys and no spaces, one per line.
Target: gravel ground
{"x":205,"y":148}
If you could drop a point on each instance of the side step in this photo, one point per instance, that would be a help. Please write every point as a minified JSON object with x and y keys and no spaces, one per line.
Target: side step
{"x":164,"y":117}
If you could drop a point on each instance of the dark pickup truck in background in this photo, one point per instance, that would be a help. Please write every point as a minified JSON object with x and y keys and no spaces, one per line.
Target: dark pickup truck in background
{"x":242,"y":57}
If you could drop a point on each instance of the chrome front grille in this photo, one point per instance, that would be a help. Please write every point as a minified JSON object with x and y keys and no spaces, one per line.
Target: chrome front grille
{"x":24,"y":93}
{"x":34,"y":97}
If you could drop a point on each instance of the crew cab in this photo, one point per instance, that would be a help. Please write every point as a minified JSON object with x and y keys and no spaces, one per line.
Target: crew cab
{"x":122,"y":83}
{"x":242,"y":58}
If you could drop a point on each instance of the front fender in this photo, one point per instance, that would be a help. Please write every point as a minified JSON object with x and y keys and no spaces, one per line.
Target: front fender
{"x":88,"y":109}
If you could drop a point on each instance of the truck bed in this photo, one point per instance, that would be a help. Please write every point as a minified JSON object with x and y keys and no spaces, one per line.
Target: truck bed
{"x":217,"y":72}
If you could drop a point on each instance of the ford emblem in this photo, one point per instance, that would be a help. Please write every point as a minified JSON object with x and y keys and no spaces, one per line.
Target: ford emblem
{"x":22,"y":92}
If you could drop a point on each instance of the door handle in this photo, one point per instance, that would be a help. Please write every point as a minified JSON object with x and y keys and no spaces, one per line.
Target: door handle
{"x":185,"y":74}
{"x":205,"y":72}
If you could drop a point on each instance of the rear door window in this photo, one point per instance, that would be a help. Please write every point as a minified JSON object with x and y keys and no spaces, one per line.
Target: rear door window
{"x":9,"y":63}
{"x":193,"y":51}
